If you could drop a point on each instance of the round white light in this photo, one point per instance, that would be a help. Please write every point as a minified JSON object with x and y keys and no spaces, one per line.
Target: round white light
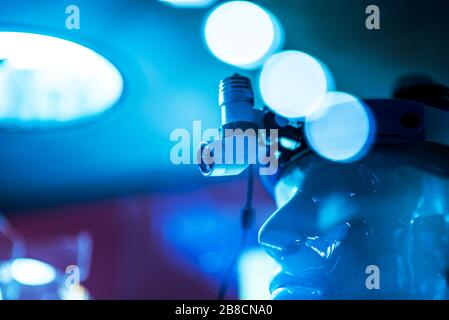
{"x":241,"y":33}
{"x":292,"y":83}
{"x":32,"y":272}
{"x":46,"y":79}
{"x":341,"y":129}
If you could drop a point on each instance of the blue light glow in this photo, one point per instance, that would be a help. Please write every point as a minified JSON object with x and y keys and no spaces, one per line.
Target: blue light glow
{"x":189,"y":3}
{"x":335,"y":210}
{"x":255,"y":270}
{"x":287,"y":187}
{"x":292,"y":83}
{"x":76,"y":293}
{"x":289,"y":143}
{"x":341,"y":129}
{"x":32,"y":272}
{"x":46,"y":79}
{"x":241,"y":33}
{"x":197,"y":235}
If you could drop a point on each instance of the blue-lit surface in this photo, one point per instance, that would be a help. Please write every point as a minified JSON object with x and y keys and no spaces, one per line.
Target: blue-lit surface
{"x":199,"y":236}
{"x":45,"y":80}
{"x":241,"y":33}
{"x":32,"y":272}
{"x":292,"y":83}
{"x":334,"y":210}
{"x":341,"y":128}
{"x":189,"y":3}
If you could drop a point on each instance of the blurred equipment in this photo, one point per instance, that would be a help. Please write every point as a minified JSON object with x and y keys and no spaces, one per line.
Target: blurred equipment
{"x":42,"y":271}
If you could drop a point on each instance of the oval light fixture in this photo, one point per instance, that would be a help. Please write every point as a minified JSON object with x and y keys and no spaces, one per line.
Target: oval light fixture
{"x":47,"y":81}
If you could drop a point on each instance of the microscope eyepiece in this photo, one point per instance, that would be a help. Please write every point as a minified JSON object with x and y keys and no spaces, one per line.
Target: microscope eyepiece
{"x":236,"y":100}
{"x":235,"y":88}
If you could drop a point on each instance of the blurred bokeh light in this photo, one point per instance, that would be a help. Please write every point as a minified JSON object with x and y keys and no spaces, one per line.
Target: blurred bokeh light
{"x":292,"y":83}
{"x":255,"y":270}
{"x":242,"y":33}
{"x":32,"y":272}
{"x":341,"y":129}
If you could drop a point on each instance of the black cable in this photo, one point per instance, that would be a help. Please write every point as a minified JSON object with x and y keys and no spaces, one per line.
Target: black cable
{"x":249,"y":192}
{"x":247,"y":217}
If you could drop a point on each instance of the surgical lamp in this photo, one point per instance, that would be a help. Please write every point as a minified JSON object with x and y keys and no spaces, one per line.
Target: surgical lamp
{"x":418,"y":113}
